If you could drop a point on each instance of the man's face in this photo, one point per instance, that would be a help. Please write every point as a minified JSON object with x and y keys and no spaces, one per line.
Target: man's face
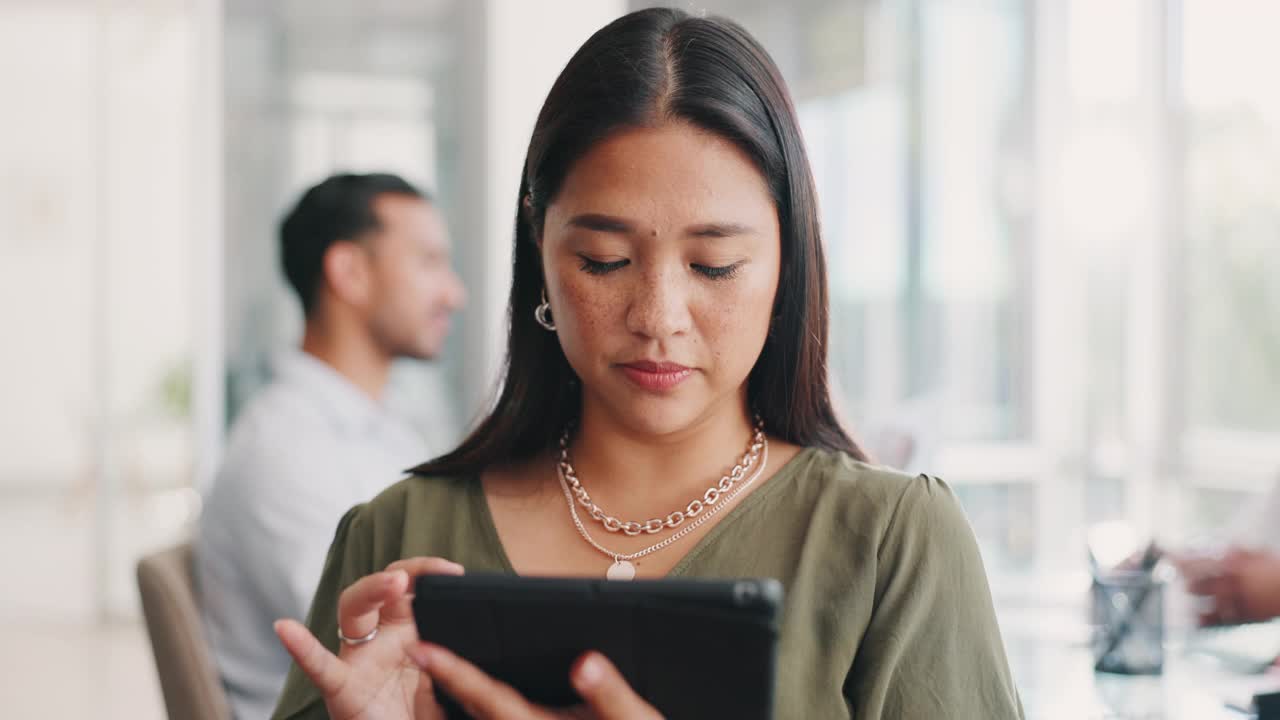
{"x":414,"y":289}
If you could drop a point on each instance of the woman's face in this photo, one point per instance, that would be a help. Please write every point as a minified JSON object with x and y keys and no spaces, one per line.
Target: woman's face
{"x":661,"y":253}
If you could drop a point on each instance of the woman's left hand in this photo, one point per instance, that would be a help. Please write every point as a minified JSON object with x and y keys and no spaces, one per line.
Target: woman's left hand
{"x":606,"y":693}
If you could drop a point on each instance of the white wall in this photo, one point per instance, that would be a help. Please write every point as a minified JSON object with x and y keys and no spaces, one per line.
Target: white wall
{"x":96,"y":211}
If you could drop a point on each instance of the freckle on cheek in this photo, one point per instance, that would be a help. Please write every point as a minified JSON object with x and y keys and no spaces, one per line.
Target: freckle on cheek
{"x":592,"y":307}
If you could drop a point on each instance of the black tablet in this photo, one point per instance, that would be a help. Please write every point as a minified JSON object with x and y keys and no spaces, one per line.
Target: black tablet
{"x":692,"y":648}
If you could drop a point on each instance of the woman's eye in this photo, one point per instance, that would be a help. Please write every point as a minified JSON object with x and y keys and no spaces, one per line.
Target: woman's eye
{"x":721,"y":272}
{"x":597,"y":267}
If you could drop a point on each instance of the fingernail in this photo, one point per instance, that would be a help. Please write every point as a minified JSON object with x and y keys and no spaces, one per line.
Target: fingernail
{"x":396,"y":576}
{"x":590,"y":671}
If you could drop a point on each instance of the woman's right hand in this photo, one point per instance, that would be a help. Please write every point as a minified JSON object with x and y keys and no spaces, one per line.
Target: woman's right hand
{"x":381,"y":679}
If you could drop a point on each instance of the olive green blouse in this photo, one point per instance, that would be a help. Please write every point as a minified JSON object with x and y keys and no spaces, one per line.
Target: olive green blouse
{"x":887,"y":615}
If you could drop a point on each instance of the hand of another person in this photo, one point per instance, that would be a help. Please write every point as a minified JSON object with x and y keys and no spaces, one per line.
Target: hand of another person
{"x":1244,"y":585}
{"x":393,"y":675}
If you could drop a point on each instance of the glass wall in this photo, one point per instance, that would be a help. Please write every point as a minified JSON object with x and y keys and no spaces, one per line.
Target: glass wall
{"x":1230,"y":220}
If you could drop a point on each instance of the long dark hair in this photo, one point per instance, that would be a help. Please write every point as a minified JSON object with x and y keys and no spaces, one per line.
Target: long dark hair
{"x":646,"y":68}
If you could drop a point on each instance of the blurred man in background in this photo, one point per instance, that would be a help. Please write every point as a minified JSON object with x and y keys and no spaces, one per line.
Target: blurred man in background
{"x":368,"y":256}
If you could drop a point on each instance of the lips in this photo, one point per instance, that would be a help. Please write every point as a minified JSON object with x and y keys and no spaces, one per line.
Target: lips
{"x":656,"y":376}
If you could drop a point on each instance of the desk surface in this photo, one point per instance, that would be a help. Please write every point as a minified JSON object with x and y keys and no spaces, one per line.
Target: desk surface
{"x":1053,"y":667}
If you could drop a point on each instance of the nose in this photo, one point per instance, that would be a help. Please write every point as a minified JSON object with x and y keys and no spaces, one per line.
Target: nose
{"x":659,"y":306}
{"x":457,"y":295}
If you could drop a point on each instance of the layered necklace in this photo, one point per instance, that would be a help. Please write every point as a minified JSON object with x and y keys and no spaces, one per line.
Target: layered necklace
{"x":696,"y":512}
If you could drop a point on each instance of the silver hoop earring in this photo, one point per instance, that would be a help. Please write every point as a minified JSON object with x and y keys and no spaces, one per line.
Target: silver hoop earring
{"x":542,"y":314}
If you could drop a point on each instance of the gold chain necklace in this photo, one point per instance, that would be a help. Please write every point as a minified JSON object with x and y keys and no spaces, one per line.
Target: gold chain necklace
{"x":711,"y":504}
{"x":672,"y":521}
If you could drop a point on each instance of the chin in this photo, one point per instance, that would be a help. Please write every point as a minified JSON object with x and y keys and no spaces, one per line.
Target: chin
{"x":658,"y":416}
{"x":421,"y":351}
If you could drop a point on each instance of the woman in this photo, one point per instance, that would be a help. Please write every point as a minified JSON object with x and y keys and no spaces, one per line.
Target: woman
{"x":668,"y":322}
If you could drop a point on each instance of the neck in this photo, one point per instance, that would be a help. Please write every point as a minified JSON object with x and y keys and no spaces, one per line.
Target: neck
{"x":634,"y":474}
{"x":352,"y":353}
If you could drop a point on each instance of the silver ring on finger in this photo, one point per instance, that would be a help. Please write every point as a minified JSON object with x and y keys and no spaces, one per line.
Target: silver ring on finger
{"x":353,"y":642}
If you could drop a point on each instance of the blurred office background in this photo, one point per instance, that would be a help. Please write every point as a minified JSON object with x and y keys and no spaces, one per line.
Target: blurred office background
{"x":1053,"y":230}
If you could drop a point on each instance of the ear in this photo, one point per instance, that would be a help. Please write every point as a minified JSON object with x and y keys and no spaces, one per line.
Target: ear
{"x":348,"y":273}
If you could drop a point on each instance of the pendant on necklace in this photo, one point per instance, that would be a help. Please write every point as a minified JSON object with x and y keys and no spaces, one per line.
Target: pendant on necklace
{"x":621,"y":570}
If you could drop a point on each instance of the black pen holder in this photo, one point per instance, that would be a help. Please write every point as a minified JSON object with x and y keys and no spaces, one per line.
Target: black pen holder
{"x":1128,"y":623}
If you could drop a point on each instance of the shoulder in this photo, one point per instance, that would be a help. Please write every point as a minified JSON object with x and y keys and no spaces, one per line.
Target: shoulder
{"x":898,"y":506}
{"x":910,"y":528}
{"x":275,"y":418}
{"x":402,"y":507}
{"x":419,"y":491}
{"x":835,"y":473}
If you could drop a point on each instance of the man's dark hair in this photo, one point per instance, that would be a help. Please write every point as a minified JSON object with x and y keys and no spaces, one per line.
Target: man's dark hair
{"x":340,"y":208}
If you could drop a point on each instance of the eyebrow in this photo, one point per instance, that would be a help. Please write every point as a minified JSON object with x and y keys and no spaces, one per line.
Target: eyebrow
{"x":720,"y":230}
{"x":611,"y":224}
{"x":601,"y":223}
